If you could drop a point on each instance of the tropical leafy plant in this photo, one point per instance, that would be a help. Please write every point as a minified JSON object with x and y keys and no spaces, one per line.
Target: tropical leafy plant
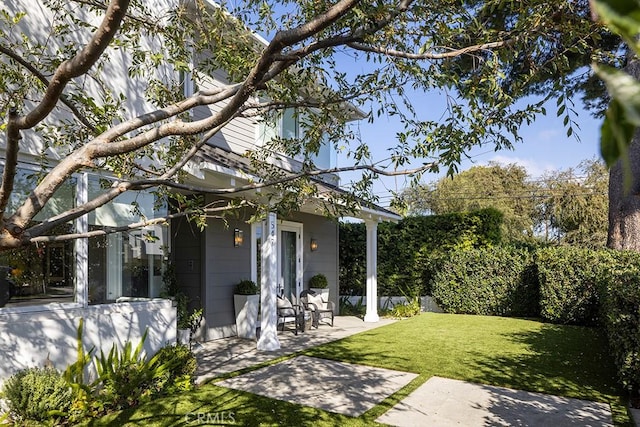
{"x":126,"y":377}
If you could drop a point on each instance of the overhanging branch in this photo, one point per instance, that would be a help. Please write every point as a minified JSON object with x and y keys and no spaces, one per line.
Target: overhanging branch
{"x":429,"y":55}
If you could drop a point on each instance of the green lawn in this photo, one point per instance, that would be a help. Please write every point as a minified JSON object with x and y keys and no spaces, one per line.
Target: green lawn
{"x":522,"y":354}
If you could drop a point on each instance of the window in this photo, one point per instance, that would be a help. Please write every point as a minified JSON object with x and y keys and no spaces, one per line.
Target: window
{"x":42,"y":273}
{"x":126,"y":264}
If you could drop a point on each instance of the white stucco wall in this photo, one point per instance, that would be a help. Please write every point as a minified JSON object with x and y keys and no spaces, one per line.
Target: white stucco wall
{"x":27,"y":338}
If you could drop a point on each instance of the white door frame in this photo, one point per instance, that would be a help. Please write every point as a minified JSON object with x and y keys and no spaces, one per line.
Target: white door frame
{"x":297,"y":228}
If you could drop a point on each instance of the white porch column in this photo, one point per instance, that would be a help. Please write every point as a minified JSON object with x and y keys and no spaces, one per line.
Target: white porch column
{"x":372,"y":272}
{"x":268,"y":325}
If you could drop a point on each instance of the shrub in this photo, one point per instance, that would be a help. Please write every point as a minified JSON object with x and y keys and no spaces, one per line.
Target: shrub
{"x":408,"y":252}
{"x":489,"y":281}
{"x":247,"y":287}
{"x":39,"y":394}
{"x":408,"y":309}
{"x":180,"y":366}
{"x":569,"y":280}
{"x":319,"y":281}
{"x":126,"y":377}
{"x":621,"y":316}
{"x":347,"y":308}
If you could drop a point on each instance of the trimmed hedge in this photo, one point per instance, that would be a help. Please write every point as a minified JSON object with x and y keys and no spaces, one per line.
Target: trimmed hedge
{"x":490,"y":281}
{"x":410,"y":251}
{"x":569,"y":284}
{"x":621,"y":316}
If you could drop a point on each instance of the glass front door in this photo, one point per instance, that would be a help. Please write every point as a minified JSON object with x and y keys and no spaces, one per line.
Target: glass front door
{"x":290,"y":259}
{"x":288,"y":270}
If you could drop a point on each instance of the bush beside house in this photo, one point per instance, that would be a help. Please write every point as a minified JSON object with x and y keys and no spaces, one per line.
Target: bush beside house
{"x":125,"y":378}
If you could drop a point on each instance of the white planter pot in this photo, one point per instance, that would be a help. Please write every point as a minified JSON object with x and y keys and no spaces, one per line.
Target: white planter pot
{"x":324,"y":292}
{"x":184,"y":336}
{"x":246,"y":315}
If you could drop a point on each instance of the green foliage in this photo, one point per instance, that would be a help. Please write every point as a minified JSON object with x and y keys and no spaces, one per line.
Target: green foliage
{"x":492,"y":281}
{"x":347,"y":308}
{"x":412,"y":250}
{"x":569,"y":284}
{"x":40,"y":394}
{"x":409,"y":308}
{"x":493,"y":186}
{"x":623,"y":115}
{"x":247,"y":287}
{"x":180,"y":364}
{"x":319,"y":281}
{"x":352,"y":258}
{"x":574,"y":205}
{"x":621,"y":317}
{"x":74,"y":375}
{"x":124,"y":377}
{"x":565,"y":206}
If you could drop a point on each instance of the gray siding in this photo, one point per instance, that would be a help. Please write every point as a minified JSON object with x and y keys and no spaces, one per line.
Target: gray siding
{"x":225,"y":266}
{"x":186,"y":253}
{"x":240,"y":134}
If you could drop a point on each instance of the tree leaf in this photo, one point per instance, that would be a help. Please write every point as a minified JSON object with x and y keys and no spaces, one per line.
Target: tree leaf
{"x":616,"y":133}
{"x":622,"y":17}
{"x":624,"y":88}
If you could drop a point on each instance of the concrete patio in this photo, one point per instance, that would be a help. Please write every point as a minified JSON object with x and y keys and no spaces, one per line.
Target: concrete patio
{"x":231,"y":354}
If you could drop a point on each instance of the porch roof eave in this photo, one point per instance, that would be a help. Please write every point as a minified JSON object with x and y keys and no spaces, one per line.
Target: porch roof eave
{"x":376,"y":214}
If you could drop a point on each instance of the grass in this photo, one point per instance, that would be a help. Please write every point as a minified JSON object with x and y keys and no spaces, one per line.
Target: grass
{"x":523,"y":354}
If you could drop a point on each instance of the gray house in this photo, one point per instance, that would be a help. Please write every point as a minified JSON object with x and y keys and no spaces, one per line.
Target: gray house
{"x":113,"y":283}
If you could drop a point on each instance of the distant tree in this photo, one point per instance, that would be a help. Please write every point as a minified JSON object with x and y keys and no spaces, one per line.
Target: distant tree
{"x":505,"y":188}
{"x":574,"y":205}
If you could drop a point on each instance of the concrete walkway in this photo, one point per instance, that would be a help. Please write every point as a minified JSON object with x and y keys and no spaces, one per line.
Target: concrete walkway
{"x":353,"y":389}
{"x":231,"y":354}
{"x":442,"y":402}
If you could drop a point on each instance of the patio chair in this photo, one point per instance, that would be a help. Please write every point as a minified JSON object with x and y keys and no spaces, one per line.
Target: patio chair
{"x":306,"y":317}
{"x":320,"y":309}
{"x":288,"y":312}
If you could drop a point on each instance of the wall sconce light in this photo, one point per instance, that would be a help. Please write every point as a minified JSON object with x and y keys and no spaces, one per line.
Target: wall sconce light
{"x":314,"y":245}
{"x":238,"y":237}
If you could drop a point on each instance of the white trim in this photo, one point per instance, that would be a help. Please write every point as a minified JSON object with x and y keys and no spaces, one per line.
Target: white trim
{"x":41,"y":308}
{"x":82,"y":244}
{"x":372,"y":273}
{"x":268,"y":334}
{"x":298,"y":228}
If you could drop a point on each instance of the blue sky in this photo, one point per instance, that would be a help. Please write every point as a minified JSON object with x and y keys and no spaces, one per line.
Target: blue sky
{"x":545,"y":147}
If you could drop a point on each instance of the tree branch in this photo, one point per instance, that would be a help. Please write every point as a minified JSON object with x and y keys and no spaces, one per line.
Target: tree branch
{"x":33,"y":70}
{"x":11,"y":162}
{"x":417,"y":56}
{"x":78,"y":65}
{"x":136,"y":225}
